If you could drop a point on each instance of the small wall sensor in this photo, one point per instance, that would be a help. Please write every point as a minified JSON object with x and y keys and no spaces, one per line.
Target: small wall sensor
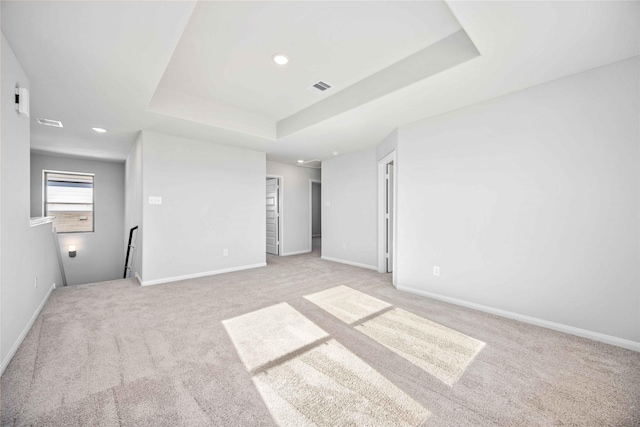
{"x":22,"y":100}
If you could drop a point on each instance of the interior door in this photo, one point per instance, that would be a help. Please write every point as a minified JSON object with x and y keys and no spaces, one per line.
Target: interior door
{"x":389,"y":216}
{"x":273,"y":217}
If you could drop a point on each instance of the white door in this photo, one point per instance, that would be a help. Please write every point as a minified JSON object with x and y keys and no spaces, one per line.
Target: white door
{"x":389,"y":217}
{"x":272,"y":215}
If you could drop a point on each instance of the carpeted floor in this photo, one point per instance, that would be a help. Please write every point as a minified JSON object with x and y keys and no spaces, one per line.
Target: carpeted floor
{"x":116,"y":353}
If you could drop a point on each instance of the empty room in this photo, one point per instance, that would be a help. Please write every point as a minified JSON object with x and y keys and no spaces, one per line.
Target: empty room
{"x":320,"y":213}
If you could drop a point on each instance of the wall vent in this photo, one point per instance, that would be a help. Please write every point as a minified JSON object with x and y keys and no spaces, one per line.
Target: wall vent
{"x":313,"y":164}
{"x":320,"y":87}
{"x":47,"y":122}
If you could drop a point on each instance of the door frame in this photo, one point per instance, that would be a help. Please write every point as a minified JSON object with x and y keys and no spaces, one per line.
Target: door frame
{"x":280,"y":213}
{"x":382,"y":231}
{"x":311,"y":181}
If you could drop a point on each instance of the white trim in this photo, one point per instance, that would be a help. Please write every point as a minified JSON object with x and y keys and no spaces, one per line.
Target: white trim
{"x":68,"y":172}
{"x":280,"y":213}
{"x":43,"y":188}
{"x":355,"y":264}
{"x":137,"y":277}
{"x":196,"y":275}
{"x":596,"y":336}
{"x":306,"y":251}
{"x":382,"y":259}
{"x":33,"y":222}
{"x":311,"y":181}
{"x":26,"y":330}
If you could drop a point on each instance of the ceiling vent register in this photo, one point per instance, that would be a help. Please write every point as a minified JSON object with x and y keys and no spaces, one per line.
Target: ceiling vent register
{"x":320,"y":87}
{"x":48,"y":122}
{"x":313,"y":164}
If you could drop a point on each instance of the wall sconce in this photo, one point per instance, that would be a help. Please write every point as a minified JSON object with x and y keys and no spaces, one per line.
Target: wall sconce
{"x":72,"y":251}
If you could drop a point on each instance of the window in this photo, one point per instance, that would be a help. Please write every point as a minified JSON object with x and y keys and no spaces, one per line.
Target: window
{"x":68,"y":197}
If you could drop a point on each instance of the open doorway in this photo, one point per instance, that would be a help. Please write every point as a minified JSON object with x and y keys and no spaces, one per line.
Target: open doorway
{"x":273,"y":214}
{"x":387,"y":213}
{"x":315,"y":206}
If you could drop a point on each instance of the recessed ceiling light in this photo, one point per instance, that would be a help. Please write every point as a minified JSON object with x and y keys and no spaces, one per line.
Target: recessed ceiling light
{"x":99,"y":130}
{"x":48,"y":122}
{"x":300,"y":161}
{"x":335,"y":153}
{"x":280,"y":59}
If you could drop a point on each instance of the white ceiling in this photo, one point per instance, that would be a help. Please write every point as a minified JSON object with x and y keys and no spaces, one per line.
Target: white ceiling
{"x":100,"y":64}
{"x":224,"y":55}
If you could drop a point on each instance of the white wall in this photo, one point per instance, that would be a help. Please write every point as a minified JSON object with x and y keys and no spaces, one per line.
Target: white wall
{"x":296,"y":236}
{"x":349,"y":211}
{"x":530,"y":203}
{"x":100,"y":254}
{"x":133,"y":206}
{"x":212,"y":199}
{"x":27,"y":252}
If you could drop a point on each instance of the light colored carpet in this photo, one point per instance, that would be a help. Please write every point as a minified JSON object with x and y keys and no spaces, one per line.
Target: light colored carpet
{"x":347,"y":304}
{"x":271,"y":333}
{"x":329,"y":386}
{"x":116,"y":353}
{"x":440,"y":351}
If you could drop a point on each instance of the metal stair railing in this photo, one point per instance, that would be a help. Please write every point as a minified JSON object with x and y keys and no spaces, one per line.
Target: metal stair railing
{"x":129,"y":246}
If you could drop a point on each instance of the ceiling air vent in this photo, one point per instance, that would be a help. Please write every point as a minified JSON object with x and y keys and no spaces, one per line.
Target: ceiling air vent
{"x":47,"y":122}
{"x":320,"y":87}
{"x":313,"y":164}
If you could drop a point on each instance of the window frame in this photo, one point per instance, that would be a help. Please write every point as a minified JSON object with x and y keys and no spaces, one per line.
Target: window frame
{"x":93,"y":197}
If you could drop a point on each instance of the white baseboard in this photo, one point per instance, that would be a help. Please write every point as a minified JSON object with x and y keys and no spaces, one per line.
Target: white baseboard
{"x":196,"y":275}
{"x":596,"y":336}
{"x":355,"y":264}
{"x":137,"y":276}
{"x":306,"y":251}
{"x":26,"y":330}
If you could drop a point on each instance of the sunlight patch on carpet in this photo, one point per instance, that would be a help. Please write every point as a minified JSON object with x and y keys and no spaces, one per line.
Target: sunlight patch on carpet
{"x":330,"y":386}
{"x":270,"y":333}
{"x":438,"y":350}
{"x":346,"y":303}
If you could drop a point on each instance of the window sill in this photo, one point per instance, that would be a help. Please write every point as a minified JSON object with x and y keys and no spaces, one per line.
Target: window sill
{"x":34,"y":222}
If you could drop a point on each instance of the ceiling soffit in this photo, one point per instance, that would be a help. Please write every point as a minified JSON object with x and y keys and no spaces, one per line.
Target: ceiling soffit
{"x":260,"y":99}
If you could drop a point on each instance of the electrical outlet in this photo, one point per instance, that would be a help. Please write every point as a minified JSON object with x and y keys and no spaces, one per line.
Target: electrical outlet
{"x":36,"y":281}
{"x":155,"y":200}
{"x":225,"y":252}
{"x":436,"y":270}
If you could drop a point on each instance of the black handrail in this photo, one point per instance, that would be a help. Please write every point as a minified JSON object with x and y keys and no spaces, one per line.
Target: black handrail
{"x":126,"y":262}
